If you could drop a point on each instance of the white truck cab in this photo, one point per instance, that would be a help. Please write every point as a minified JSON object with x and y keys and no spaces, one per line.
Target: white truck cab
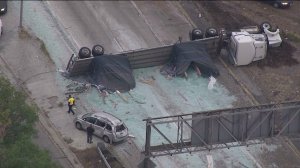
{"x":245,"y":48}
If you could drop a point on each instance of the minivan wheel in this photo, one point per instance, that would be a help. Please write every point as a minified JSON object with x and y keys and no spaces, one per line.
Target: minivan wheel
{"x":78,"y":126}
{"x":106,"y":139}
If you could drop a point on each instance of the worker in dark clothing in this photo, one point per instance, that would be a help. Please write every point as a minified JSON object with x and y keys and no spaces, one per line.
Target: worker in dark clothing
{"x":71,"y":103}
{"x":90,"y":130}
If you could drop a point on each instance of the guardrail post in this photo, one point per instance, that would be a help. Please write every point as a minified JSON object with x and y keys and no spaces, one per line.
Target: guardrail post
{"x":21,"y":15}
{"x":147,"y":144}
{"x":222,"y":36}
{"x":100,"y":147}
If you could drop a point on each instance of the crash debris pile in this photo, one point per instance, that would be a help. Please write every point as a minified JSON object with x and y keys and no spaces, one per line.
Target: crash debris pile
{"x":189,"y":55}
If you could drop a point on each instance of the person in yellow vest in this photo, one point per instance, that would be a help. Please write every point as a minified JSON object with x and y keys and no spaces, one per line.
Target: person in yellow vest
{"x":71,"y":103}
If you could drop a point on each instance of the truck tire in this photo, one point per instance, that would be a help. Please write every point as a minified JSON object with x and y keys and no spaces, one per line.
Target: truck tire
{"x":97,"y":50}
{"x":84,"y":52}
{"x":211,"y":32}
{"x":265,"y":25}
{"x":196,"y":34}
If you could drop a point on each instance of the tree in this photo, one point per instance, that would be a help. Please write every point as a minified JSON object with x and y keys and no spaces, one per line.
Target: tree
{"x":16,"y":129}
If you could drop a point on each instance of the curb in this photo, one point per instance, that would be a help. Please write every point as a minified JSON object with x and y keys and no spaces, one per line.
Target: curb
{"x":56,"y":139}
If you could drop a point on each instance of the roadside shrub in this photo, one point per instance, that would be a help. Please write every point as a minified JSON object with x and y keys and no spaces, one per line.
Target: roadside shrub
{"x":16,"y":130}
{"x":20,"y":115}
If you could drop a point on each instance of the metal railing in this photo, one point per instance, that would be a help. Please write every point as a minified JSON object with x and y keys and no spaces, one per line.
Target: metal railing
{"x":102,"y":157}
{"x":224,"y":128}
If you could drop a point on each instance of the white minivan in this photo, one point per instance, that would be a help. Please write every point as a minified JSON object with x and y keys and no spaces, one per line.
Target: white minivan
{"x":106,"y":126}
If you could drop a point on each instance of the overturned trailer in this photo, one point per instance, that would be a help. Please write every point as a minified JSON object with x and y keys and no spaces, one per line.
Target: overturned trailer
{"x":243,"y":47}
{"x":142,"y":58}
{"x":114,"y":72}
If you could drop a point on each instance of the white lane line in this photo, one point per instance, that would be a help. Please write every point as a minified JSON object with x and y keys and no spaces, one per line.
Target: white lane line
{"x":109,"y":31}
{"x":147,"y":23}
{"x":180,"y":8}
{"x":250,"y":156}
{"x":118,"y":44}
{"x":68,"y":38}
{"x":210,"y":161}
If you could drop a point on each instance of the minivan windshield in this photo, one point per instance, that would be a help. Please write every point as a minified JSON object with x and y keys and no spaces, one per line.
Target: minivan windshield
{"x":120,"y":128}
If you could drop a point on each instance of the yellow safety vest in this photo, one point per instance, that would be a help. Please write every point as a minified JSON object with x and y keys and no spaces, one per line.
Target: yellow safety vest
{"x":71,"y":101}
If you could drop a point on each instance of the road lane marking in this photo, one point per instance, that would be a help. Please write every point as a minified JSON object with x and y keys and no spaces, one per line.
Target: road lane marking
{"x":210,"y":162}
{"x":146,"y":21}
{"x":68,"y":38}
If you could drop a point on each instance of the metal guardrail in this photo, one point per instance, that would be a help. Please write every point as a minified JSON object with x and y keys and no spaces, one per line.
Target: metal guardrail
{"x":103,"y":159}
{"x":222,"y":128}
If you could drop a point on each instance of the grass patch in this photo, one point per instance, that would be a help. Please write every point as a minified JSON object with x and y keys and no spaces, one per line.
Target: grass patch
{"x":23,"y":34}
{"x":68,"y":140}
{"x":44,"y":49}
{"x":60,"y":104}
{"x":293,"y":37}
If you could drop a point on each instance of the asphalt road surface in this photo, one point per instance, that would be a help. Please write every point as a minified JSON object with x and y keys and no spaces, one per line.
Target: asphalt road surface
{"x":120,"y":26}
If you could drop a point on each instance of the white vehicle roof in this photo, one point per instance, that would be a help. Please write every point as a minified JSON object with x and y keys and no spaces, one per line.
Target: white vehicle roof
{"x":107,"y":117}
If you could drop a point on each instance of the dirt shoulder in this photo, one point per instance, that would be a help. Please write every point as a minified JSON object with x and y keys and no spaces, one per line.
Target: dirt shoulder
{"x":276,"y":75}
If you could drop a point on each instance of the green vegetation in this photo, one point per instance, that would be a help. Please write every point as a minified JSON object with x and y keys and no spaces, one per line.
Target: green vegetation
{"x":23,"y":34}
{"x":293,"y":37}
{"x":16,"y":130}
{"x":60,"y":104}
{"x":44,"y":49}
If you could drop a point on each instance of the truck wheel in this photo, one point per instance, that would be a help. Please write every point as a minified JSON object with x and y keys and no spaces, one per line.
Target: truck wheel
{"x":97,"y":50}
{"x":84,"y":52}
{"x":211,"y":32}
{"x":265,"y":25}
{"x":196,"y":34}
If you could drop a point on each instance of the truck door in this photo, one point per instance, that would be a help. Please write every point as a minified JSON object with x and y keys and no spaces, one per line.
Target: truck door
{"x":260,"y":50}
